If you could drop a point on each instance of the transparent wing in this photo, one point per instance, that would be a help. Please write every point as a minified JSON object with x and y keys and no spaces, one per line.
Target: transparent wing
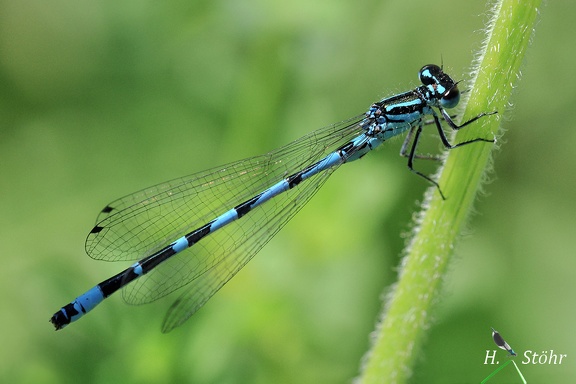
{"x":237,"y":243}
{"x":139,"y":224}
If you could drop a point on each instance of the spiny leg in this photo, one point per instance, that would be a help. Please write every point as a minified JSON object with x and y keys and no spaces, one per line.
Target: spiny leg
{"x":406,"y":143}
{"x":416,"y":131}
{"x":456,"y":127}
{"x":408,"y":140}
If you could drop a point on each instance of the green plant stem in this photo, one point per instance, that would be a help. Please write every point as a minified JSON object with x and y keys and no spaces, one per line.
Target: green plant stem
{"x":408,"y":308}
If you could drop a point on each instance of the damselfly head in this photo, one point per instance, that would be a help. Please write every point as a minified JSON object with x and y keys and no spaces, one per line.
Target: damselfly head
{"x":440,"y":85}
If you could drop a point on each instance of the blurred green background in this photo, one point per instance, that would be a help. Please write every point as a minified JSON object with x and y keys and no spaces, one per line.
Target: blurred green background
{"x":100,"y":99}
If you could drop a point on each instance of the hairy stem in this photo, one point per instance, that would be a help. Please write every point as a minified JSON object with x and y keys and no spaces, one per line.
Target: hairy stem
{"x":408,"y":309}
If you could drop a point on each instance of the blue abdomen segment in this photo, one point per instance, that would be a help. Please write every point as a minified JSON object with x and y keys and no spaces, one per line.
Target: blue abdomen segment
{"x":78,"y":308}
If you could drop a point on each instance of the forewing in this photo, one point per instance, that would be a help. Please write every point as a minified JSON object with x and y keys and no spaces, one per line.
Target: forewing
{"x":140,"y":224}
{"x":218,"y":256}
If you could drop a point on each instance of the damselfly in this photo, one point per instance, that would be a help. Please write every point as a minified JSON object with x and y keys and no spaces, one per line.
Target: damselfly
{"x":198,"y":231}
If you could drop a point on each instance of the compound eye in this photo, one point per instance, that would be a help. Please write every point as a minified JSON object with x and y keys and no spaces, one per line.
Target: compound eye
{"x":429,"y":74}
{"x":451,"y":98}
